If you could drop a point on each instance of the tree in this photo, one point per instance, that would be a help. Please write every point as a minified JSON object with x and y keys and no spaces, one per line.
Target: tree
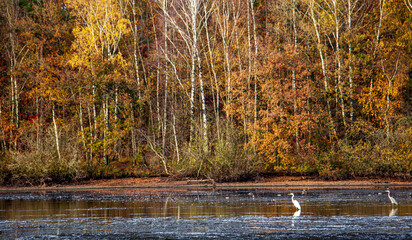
{"x":101,"y":26}
{"x":187,"y":19}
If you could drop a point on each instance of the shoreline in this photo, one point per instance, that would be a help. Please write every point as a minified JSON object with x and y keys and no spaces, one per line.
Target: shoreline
{"x":168,"y":183}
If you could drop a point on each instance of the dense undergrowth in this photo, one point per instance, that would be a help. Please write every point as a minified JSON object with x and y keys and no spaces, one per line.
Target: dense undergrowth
{"x":364,"y":155}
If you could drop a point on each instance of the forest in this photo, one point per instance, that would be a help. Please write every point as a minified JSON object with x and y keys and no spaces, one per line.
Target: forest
{"x":219,"y":89}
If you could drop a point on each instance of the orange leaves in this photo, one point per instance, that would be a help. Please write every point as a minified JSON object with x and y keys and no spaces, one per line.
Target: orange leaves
{"x":273,"y":146}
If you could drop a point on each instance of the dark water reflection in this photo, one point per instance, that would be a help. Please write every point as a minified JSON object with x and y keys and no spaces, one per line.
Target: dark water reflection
{"x":206,"y":214}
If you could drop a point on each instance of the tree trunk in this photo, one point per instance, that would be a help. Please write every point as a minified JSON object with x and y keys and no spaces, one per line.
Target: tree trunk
{"x":214,"y":75}
{"x":174,"y":130}
{"x":81,"y":125}
{"x":192,"y":97}
{"x":164,"y":121}
{"x":132,"y":133}
{"x":350,"y":59}
{"x":324,"y":71}
{"x":92,"y":135}
{"x":381,"y":8}
{"x":3,"y":136}
{"x":335,"y":13}
{"x":106,"y":129}
{"x":255,"y":76}
{"x":295,"y":106}
{"x":56,"y":134}
{"x":388,"y":94}
{"x":249,"y":54}
{"x":133,"y":27}
{"x":204,"y":113}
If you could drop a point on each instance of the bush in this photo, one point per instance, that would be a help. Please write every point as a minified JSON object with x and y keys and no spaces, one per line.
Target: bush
{"x":38,"y":164}
{"x":373,"y":154}
{"x":225,"y":159}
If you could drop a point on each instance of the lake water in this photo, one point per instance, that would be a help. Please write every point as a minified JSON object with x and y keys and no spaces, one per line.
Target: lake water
{"x":206,"y":214}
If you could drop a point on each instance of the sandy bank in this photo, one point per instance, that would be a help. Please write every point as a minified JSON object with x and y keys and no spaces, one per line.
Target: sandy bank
{"x":164,"y":182}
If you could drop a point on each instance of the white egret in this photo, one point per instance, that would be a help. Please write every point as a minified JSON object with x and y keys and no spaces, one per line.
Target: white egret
{"x":393,"y":201}
{"x":296,"y":203}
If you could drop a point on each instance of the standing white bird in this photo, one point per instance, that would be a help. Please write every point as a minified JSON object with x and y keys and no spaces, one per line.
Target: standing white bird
{"x":393,"y":201}
{"x":296,"y":203}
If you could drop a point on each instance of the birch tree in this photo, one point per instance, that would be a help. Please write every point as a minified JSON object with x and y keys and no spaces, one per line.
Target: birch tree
{"x":319,"y":39}
{"x":16,"y":54}
{"x":295,"y":45}
{"x":102,"y":24}
{"x":376,"y":47}
{"x":187,"y":18}
{"x":350,"y":8}
{"x":333,"y":5}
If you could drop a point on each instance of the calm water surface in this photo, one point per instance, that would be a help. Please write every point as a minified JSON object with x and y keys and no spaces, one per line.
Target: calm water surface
{"x":206,"y":214}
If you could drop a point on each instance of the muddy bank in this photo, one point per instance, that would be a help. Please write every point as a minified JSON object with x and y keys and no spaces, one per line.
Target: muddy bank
{"x":165,"y":182}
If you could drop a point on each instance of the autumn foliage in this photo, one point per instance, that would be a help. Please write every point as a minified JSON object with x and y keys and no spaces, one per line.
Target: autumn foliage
{"x":222,"y":89}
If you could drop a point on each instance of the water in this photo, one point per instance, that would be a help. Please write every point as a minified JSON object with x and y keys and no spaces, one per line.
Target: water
{"x":206,"y":214}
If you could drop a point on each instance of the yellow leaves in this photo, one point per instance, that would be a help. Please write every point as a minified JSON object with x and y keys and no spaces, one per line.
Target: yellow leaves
{"x":383,"y":98}
{"x":101,"y":28}
{"x":123,"y":26}
{"x":83,"y":47}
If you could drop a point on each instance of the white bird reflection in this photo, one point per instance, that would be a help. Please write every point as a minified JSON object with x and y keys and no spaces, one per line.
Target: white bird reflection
{"x":178,"y":212}
{"x":393,"y":212}
{"x":297,"y":214}
{"x":295,"y":217}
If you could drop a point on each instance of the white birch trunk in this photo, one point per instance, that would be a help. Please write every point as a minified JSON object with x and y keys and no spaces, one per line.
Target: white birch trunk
{"x":164,"y":121}
{"x":175,"y":134}
{"x":390,"y":80}
{"x":339,"y":77}
{"x":16,"y":98}
{"x":192,"y":97}
{"x":295,"y":106}
{"x":381,"y":9}
{"x":214,"y":75}
{"x":92,"y":137}
{"x":158,"y":51}
{"x":350,"y":10}
{"x":223,"y":18}
{"x":106,"y":129}
{"x":350,"y":63}
{"x":204,"y":115}
{"x":249,"y":54}
{"x":56,"y":134}
{"x":185,"y":20}
{"x":255,"y":76}
{"x":323,"y":64}
{"x":81,"y":123}
{"x":133,"y":27}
